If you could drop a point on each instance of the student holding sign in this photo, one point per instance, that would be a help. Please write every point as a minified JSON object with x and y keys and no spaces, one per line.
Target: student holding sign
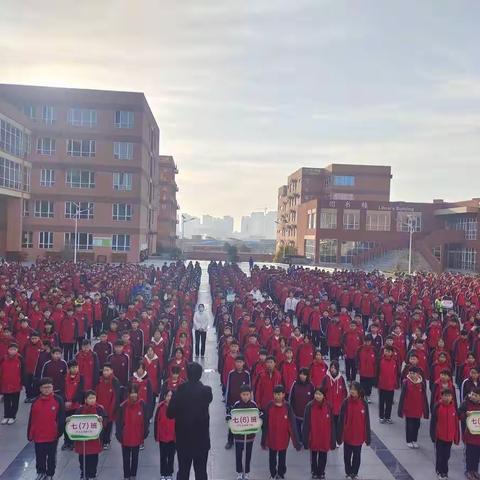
{"x":469,"y":413}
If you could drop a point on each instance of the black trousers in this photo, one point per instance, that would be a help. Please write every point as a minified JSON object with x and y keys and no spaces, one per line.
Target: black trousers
{"x":279,"y":467}
{"x":318,"y":461}
{"x":10,"y":404}
{"x":107,"y":433}
{"x":365,"y":319}
{"x":200,"y":340}
{"x":239,"y":456}
{"x":30,"y":386}
{"x":335,"y":353}
{"x":97,"y":328}
{"x":66,"y":438}
{"x":167,"y":456}
{"x":46,"y":457}
{"x":68,"y":351}
{"x":352,"y":455}
{"x":316,"y":338}
{"x":91,"y":464}
{"x":385,"y":402}
{"x":367,"y":384}
{"x":412,"y":425}
{"x":472,"y":457}
{"x":350,"y":369}
{"x":130,"y":461}
{"x":185,"y":460}
{"x":442,"y":456}
{"x":323,"y":346}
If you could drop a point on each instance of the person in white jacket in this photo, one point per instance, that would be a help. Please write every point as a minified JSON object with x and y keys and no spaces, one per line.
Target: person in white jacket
{"x":200,"y":325}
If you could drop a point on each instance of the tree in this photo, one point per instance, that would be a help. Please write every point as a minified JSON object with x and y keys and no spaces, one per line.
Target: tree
{"x":232,"y":252}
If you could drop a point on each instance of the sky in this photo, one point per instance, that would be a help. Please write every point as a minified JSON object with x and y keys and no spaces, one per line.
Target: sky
{"x":247,"y":92}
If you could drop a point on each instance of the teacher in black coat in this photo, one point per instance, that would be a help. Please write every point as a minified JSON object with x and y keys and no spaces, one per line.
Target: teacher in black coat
{"x":189,"y":408}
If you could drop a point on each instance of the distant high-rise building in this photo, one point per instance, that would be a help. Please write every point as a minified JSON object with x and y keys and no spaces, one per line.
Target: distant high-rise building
{"x":210,"y":226}
{"x":258,"y":225}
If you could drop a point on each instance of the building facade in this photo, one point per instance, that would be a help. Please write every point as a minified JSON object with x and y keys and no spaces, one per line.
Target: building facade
{"x":168,"y":207}
{"x":347,"y":227}
{"x":95,"y":170}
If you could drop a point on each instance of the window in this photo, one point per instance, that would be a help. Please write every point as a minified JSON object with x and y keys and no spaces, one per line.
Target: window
{"x":47,"y":177}
{"x":378,"y":221}
{"x":45,"y":146}
{"x":351,"y":219}
{"x":123,"y":150}
{"x":344,"y":180}
{"x":467,"y":224}
{"x":310,"y":249}
{"x":80,"y":178}
{"x":12,"y":139}
{"x":29,"y":111}
{"x":12,"y":175}
{"x":45,"y":240}
{"x":27,"y":239}
{"x":122,"y":181}
{"x":328,"y":250}
{"x":460,"y":257}
{"x":122,"y":211}
{"x":407,"y":219}
{"x":328,"y":218}
{"x":348,"y":250}
{"x":26,"y":207}
{"x":83,"y":209}
{"x":82,"y":117}
{"x":48,"y":114}
{"x":84,"y":240}
{"x":311,"y":219}
{"x":120,"y":243}
{"x":124,"y":119}
{"x":81,"y":148}
{"x":43,"y":209}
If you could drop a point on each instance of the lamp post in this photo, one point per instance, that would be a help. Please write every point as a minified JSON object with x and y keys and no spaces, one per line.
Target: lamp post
{"x":411,"y":229}
{"x":185,"y":220}
{"x":78,"y":212}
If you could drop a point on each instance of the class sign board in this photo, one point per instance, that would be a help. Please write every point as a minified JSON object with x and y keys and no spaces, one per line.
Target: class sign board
{"x":245,"y":421}
{"x":473,"y":422}
{"x":83,"y":427}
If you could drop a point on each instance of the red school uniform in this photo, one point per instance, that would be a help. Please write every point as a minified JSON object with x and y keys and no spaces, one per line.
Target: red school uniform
{"x":354,"y":422}
{"x":413,"y":401}
{"x":336,"y":392}
{"x":318,"y":371}
{"x":279,"y":427}
{"x":318,"y":427}
{"x":91,"y":447}
{"x":132,"y":423}
{"x":164,"y":427}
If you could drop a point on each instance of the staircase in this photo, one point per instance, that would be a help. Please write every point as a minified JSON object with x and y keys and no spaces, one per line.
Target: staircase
{"x":397,"y":261}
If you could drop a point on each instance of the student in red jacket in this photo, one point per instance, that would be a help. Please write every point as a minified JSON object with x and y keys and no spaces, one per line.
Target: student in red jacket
{"x":109,"y":396}
{"x":413,"y":405}
{"x":266,"y":383}
{"x":444,"y":430}
{"x":353,"y":429}
{"x":67,"y":332}
{"x":103,"y":349}
{"x":278,"y":428}
{"x":319,"y":434}
{"x":45,"y":426}
{"x":88,"y":365}
{"x":288,"y":370}
{"x":352,"y":339}
{"x":91,"y":447}
{"x":120,"y":363}
{"x":31,"y":355}
{"x":335,"y":390}
{"x":73,"y":396}
{"x":318,"y":369}
{"x":334,"y":338}
{"x":387,"y":382}
{"x":164,"y":429}
{"x":305,"y":352}
{"x":471,"y":403}
{"x":11,"y":383}
{"x":366,"y":363}
{"x":131,"y":430}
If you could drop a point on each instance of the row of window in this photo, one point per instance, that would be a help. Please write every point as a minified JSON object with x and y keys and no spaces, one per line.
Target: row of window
{"x":84,"y":241}
{"x":80,"y":210}
{"x":80,"y":117}
{"x":467,"y":224}
{"x":85,"y":179}
{"x":13,"y":140}
{"x":84,"y":148}
{"x":13,"y":175}
{"x":328,"y":250}
{"x":376,"y":221}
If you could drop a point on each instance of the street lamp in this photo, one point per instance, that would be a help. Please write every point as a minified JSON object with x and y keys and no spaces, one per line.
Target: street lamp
{"x":411,"y":229}
{"x":78,"y":212}
{"x":184,"y":220}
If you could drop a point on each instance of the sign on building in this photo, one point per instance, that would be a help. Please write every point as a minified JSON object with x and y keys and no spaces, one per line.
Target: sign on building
{"x":102,"y":242}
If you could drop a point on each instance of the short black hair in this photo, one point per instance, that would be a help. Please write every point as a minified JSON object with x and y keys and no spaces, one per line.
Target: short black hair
{"x":278,"y":389}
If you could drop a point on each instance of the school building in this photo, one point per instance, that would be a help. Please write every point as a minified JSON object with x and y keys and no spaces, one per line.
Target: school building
{"x":342,"y":214}
{"x":84,"y":161}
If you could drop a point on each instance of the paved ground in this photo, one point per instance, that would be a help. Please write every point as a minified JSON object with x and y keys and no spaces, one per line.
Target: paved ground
{"x":388,"y":457}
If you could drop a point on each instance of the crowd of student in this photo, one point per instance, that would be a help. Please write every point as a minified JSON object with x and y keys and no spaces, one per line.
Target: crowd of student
{"x":82,"y":339}
{"x":419,"y":335}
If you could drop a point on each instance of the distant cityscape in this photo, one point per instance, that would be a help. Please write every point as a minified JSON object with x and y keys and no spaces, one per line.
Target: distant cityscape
{"x":257,"y":225}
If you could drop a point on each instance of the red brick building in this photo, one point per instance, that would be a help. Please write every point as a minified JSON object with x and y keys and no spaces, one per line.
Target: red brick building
{"x":336,"y":220}
{"x":93,"y":156}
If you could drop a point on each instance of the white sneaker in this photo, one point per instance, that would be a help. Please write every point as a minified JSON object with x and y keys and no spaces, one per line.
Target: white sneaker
{"x":246,"y":476}
{"x":415,"y":445}
{"x":239,"y":476}
{"x":4,"y":421}
{"x":410,"y":445}
{"x":11,"y":421}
